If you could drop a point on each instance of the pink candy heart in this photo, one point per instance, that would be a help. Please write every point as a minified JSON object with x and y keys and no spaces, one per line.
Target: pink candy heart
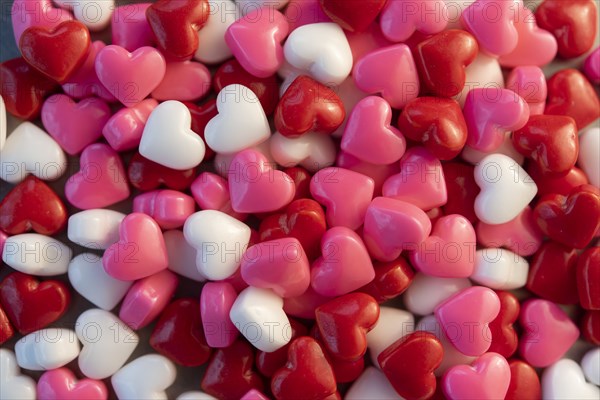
{"x":303,"y":12}
{"x":183,"y":81}
{"x":123,"y":131}
{"x":40,"y":13}
{"x":499,"y":37}
{"x":400,"y":19}
{"x":529,"y":82}
{"x":488,"y":377}
{"x":379,"y":173}
{"x":169,"y":208}
{"x":215,"y":303}
{"x":211,"y":192}
{"x":130,"y":28}
{"x":61,"y":384}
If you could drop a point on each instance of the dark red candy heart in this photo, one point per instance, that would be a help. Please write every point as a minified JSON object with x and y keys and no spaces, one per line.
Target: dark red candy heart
{"x":229,"y":374}
{"x":570,"y":93}
{"x":442,"y":59}
{"x":572,"y":220}
{"x":344,"y":371}
{"x":437,"y":123}
{"x":462,"y":190}
{"x":200,"y":116}
{"x":175,"y":24}
{"x":308,"y":106}
{"x":556,"y":184}
{"x":391,"y":280}
{"x":572,"y":22}
{"x":551,"y":141}
{"x":552,"y":273}
{"x":344,"y":322}
{"x":354,"y":16}
{"x":524,"y":382}
{"x":57,"y":52}
{"x":409,"y":363}
{"x":178,"y":334}
{"x":23,"y":88}
{"x":266,"y":89}
{"x":590,"y":326}
{"x":6,"y":329}
{"x":148,"y":175}
{"x":32,"y":205}
{"x":301,"y":178}
{"x":268,"y":363}
{"x":588,"y":278}
{"x":31,"y":305}
{"x":504,"y":337}
{"x":306,"y":375}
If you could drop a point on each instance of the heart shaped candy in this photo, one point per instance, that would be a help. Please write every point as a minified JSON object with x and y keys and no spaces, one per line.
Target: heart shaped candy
{"x":588,"y":276}
{"x":61,"y":384}
{"x":392,"y":325}
{"x":524,"y":381}
{"x":399,"y":20}
{"x":391,"y":280}
{"x":222,"y":14}
{"x":504,"y":337}
{"x":216,"y":300}
{"x":312,"y":151}
{"x":95,"y":229}
{"x":14,"y":385}
{"x":130,"y":28}
{"x":183,"y":81}
{"x":565,"y":379}
{"x":497,"y":36}
{"x":146,"y":377}
{"x":529,"y":83}
{"x":182,"y":256}
{"x":488,"y":377}
{"x":500,"y":269}
{"x":169,"y":208}
{"x":36,"y":254}
{"x":123,"y":131}
{"x":47,"y":349}
{"x":42,"y":13}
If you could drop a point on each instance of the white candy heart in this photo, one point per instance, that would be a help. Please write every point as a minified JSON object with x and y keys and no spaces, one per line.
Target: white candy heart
{"x":392,"y":324}
{"x":195,"y":395}
{"x":312,"y":150}
{"x":107,"y":343}
{"x":483,"y":72}
{"x":168,"y":139}
{"x":13,"y":385}
{"x":591,"y":365}
{"x":372,"y":384}
{"x":94,"y":14}
{"x":46,"y":349}
{"x":258,"y":314}
{"x":146,"y":377}
{"x":223,"y":161}
{"x":182,"y":256}
{"x":88,"y":277}
{"x":30,"y":150}
{"x":500,"y":269}
{"x":2,"y":123}
{"x":35,"y":254}
{"x":426,"y":292}
{"x":241,"y":122}
{"x":214,"y":49}
{"x":474,"y":156}
{"x":564,"y":380}
{"x":95,"y":229}
{"x":506,"y":189}
{"x":589,"y":154}
{"x":322,"y":50}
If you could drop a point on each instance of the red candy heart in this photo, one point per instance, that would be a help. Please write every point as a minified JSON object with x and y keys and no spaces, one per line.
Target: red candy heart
{"x":268,"y":363}
{"x":504,"y":338}
{"x":32,"y":205}
{"x":573,"y":24}
{"x":462,"y":190}
{"x":308,"y":106}
{"x":301,"y":178}
{"x":354,"y":16}
{"x":178,"y":334}
{"x":175,"y":24}
{"x":344,"y":371}
{"x":58,"y":52}
{"x":344,"y":322}
{"x":147,"y":175}
{"x":524,"y":382}
{"x":391,"y":280}
{"x":590,"y":326}
{"x":409,"y":363}
{"x":31,"y":305}
{"x":437,"y":123}
{"x":442,"y":59}
{"x":572,"y":220}
{"x":588,"y":278}
{"x":200,"y":117}
{"x":556,"y":184}
{"x":6,"y":329}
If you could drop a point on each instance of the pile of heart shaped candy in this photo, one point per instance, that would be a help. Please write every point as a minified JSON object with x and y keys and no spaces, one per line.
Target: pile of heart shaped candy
{"x":423,"y":222}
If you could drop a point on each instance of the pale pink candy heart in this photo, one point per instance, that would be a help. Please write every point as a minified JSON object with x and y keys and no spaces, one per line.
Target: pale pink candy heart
{"x":183,"y":81}
{"x":369,"y":135}
{"x":392,"y":226}
{"x":211,"y":192}
{"x":61,"y":384}
{"x":101,"y":180}
{"x":39,"y":13}
{"x":420,"y":180}
{"x":529,"y":82}
{"x":535,"y":46}
{"x":379,"y":173}
{"x":130,"y":28}
{"x":74,"y":125}
{"x":366,"y":41}
{"x":400,"y":19}
{"x":344,"y":266}
{"x":450,"y":250}
{"x":124,"y":129}
{"x":488,"y":377}
{"x":169,"y":208}
{"x":255,"y":41}
{"x":216,"y":301}
{"x":490,"y":113}
{"x":330,"y":187}
{"x":465,"y":318}
{"x":549,"y":332}
{"x":130,"y":77}
{"x":255,"y":186}
{"x":146,"y":299}
{"x":304,"y":12}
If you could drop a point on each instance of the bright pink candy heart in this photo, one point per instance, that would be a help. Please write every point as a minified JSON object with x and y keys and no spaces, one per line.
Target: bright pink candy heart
{"x":465,"y":319}
{"x":146,"y":299}
{"x":499,"y":37}
{"x":535,"y":46}
{"x":74,"y":125}
{"x":490,"y":113}
{"x":392,"y":226}
{"x":549,"y":332}
{"x":140,"y":251}
{"x":61,"y":384}
{"x":130,"y":77}
{"x":373,"y":71}
{"x":379,"y":173}
{"x":124,"y":129}
{"x":400,"y":19}
{"x":369,"y":135}
{"x":101,"y":180}
{"x":130,"y":28}
{"x":280,"y":265}
{"x":183,"y":81}
{"x":488,"y":377}
{"x":255,"y":41}
{"x":254,"y":186}
{"x":211,"y":192}
{"x":420,"y":180}
{"x":304,"y":12}
{"x":450,"y":250}
{"x":344,"y":266}
{"x":169,"y":208}
{"x":520,"y":235}
{"x":216,"y":301}
{"x":529,"y":82}
{"x":39,"y":13}
{"x":330,"y":187}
